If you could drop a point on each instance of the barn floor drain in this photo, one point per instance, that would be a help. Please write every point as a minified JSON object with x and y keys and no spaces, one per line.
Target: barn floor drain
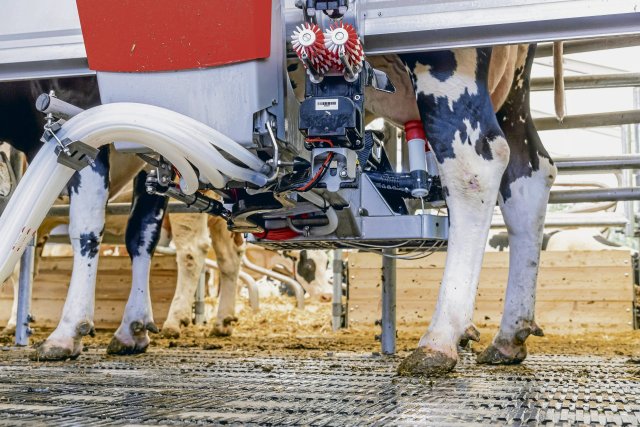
{"x":171,"y":387}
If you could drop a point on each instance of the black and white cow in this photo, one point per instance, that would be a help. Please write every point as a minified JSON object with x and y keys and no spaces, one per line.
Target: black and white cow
{"x":89,"y":190}
{"x":474,"y":104}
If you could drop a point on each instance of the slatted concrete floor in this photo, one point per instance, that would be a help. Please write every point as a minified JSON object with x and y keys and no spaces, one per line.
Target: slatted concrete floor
{"x":176,"y":386}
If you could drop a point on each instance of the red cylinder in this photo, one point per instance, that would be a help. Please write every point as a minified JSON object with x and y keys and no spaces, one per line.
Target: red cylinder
{"x":414,"y":130}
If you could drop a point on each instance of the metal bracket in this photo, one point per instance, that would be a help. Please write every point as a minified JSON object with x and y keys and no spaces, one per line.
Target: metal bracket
{"x":379,"y":80}
{"x":344,"y":165}
{"x":75,"y":154}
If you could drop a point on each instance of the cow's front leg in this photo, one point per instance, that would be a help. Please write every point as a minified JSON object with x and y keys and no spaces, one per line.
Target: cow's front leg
{"x":229,"y":248}
{"x":524,"y":193}
{"x":472,"y":153}
{"x":10,"y":328}
{"x":143,"y":232}
{"x":190,"y":236}
{"x":89,"y":192}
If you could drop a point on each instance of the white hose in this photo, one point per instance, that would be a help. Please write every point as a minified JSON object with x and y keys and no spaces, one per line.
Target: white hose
{"x":35,"y":194}
{"x":332,"y":216}
{"x":178,"y":138}
{"x":197,"y":141}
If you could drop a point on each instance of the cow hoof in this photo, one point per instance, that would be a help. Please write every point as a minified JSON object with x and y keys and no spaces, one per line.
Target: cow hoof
{"x":118,"y":347}
{"x":427,"y":362}
{"x":63,"y":348}
{"x":135,"y":340}
{"x":170,"y":331}
{"x":221,"y":331}
{"x":54,"y":350}
{"x":8,"y":331}
{"x":225,"y":328}
{"x":503,"y":354}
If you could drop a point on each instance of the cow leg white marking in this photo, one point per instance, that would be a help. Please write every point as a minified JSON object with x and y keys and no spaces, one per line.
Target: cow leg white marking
{"x":229,"y":250}
{"x":143,"y":233}
{"x":473,"y":186}
{"x":89,"y":194}
{"x":524,"y":214}
{"x":191,"y":239}
{"x":10,"y":328}
{"x":473,"y":155}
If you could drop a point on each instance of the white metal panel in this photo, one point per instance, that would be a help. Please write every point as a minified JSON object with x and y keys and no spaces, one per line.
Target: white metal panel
{"x":40,"y":38}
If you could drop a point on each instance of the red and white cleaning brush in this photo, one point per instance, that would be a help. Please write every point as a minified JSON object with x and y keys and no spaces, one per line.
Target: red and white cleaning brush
{"x":308,"y":42}
{"x":342,"y":40}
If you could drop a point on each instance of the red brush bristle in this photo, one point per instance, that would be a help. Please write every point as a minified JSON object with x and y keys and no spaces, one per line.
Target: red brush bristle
{"x":308,"y":39}
{"x":343,"y":38}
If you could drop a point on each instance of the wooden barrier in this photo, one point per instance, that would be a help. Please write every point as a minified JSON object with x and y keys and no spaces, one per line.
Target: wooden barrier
{"x":112,"y":287}
{"x":112,"y":290}
{"x":576,"y":290}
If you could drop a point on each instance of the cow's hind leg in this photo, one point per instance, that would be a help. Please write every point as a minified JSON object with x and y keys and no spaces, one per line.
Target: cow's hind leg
{"x":190,"y":235}
{"x":524,"y":193}
{"x":229,"y":248}
{"x":89,"y":192}
{"x":143,"y":232}
{"x":472,"y":153}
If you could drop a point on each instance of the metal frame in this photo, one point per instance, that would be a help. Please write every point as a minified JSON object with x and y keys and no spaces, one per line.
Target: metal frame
{"x":50,"y":43}
{"x":615,"y":118}
{"x":594,"y":81}
{"x":388,"y":320}
{"x":589,"y":45}
{"x":54,"y":48}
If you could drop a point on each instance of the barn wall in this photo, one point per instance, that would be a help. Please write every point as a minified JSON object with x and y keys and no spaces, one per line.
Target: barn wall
{"x":112,"y":288}
{"x":576,"y":290}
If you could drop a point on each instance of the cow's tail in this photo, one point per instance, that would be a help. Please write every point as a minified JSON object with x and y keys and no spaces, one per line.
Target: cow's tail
{"x":558,"y":80}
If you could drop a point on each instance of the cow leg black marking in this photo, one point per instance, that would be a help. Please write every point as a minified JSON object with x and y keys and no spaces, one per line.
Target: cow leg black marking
{"x":524,"y":193}
{"x":461,"y":126}
{"x":89,"y":192}
{"x":142,"y":235}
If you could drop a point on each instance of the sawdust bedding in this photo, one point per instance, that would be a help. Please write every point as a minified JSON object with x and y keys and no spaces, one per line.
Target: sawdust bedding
{"x":279,"y":328}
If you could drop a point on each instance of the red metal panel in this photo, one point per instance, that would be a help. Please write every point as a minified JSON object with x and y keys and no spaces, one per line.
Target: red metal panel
{"x":162,"y":35}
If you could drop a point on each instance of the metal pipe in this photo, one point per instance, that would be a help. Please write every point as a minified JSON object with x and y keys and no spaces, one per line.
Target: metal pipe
{"x":590,"y":45}
{"x":123,"y":209}
{"x":296,"y":287}
{"x":388,"y":322}
{"x":615,"y":118}
{"x":595,"y":195}
{"x":597,"y":164}
{"x":582,"y":220}
{"x":252,"y":287}
{"x":49,"y":104}
{"x":337,"y":290}
{"x":211,"y":264}
{"x":594,"y":81}
{"x":199,"y":300}
{"x":23,"y":318}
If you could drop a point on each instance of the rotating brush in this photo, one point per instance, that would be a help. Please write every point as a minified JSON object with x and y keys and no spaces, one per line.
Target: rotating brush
{"x":308,"y":42}
{"x":342,"y":38}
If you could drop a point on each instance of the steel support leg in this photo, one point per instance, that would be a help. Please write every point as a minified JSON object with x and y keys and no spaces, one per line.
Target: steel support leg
{"x":24,"y":295}
{"x":337,"y":290}
{"x":388,"y":336}
{"x":199,"y":303}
